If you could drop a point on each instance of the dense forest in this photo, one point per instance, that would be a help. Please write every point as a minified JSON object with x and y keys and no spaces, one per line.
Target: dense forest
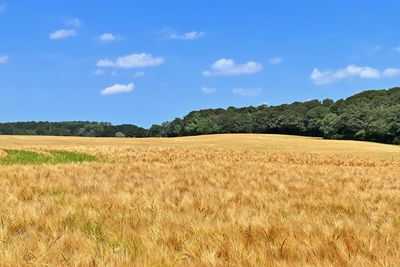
{"x":72,"y":128}
{"x":370,"y":115}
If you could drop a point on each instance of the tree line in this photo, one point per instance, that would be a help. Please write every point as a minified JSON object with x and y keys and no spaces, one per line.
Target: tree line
{"x":72,"y":128}
{"x":371,"y":116}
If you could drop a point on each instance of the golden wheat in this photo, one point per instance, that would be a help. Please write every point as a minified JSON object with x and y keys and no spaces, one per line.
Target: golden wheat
{"x":225,"y":200}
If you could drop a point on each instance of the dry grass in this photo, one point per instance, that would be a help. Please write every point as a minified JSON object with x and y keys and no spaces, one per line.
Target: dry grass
{"x":227,"y":200}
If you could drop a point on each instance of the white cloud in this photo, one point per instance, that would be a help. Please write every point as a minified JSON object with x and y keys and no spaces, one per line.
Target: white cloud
{"x":75,"y":22}
{"x":397,"y":49}
{"x":275,"y":60}
{"x":247,"y":91}
{"x":108,"y":37}
{"x":132,"y":61}
{"x":208,"y":90}
{"x":2,"y":8}
{"x":352,"y":71}
{"x":391,"y":72}
{"x":118,"y":89}
{"x":186,"y":36}
{"x":139,"y":74}
{"x":376,"y":48}
{"x":61,"y":34}
{"x":228,"y":67}
{"x":322,"y":77}
{"x":4,"y":59}
{"x":105,"y":63}
{"x":99,"y":72}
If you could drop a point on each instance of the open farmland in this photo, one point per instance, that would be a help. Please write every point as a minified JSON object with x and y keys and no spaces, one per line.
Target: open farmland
{"x":223,"y":200}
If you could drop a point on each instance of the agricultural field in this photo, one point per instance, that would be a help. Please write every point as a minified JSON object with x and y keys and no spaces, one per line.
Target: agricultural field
{"x":222,"y":200}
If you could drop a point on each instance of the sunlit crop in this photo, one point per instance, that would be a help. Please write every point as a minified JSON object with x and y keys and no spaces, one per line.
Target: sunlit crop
{"x":225,"y":200}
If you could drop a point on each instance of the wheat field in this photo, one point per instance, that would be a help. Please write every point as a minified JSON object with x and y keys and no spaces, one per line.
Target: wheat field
{"x":223,"y":200}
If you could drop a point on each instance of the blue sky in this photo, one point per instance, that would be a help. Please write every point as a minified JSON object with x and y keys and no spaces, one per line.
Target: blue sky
{"x":146,"y":62}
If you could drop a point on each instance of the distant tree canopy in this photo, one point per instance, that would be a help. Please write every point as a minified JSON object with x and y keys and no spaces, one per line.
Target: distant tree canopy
{"x":370,"y":115}
{"x":71,"y":128}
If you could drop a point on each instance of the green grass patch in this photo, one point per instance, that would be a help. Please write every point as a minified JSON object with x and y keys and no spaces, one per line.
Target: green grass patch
{"x":25,"y":157}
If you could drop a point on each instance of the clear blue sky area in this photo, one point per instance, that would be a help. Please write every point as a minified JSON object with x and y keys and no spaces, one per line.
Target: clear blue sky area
{"x":145,"y":62}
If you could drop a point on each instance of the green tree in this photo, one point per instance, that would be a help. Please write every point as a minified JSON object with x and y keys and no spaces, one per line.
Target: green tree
{"x":119,"y":134}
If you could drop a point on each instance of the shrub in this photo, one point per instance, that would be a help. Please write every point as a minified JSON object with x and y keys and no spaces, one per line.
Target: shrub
{"x":119,"y":134}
